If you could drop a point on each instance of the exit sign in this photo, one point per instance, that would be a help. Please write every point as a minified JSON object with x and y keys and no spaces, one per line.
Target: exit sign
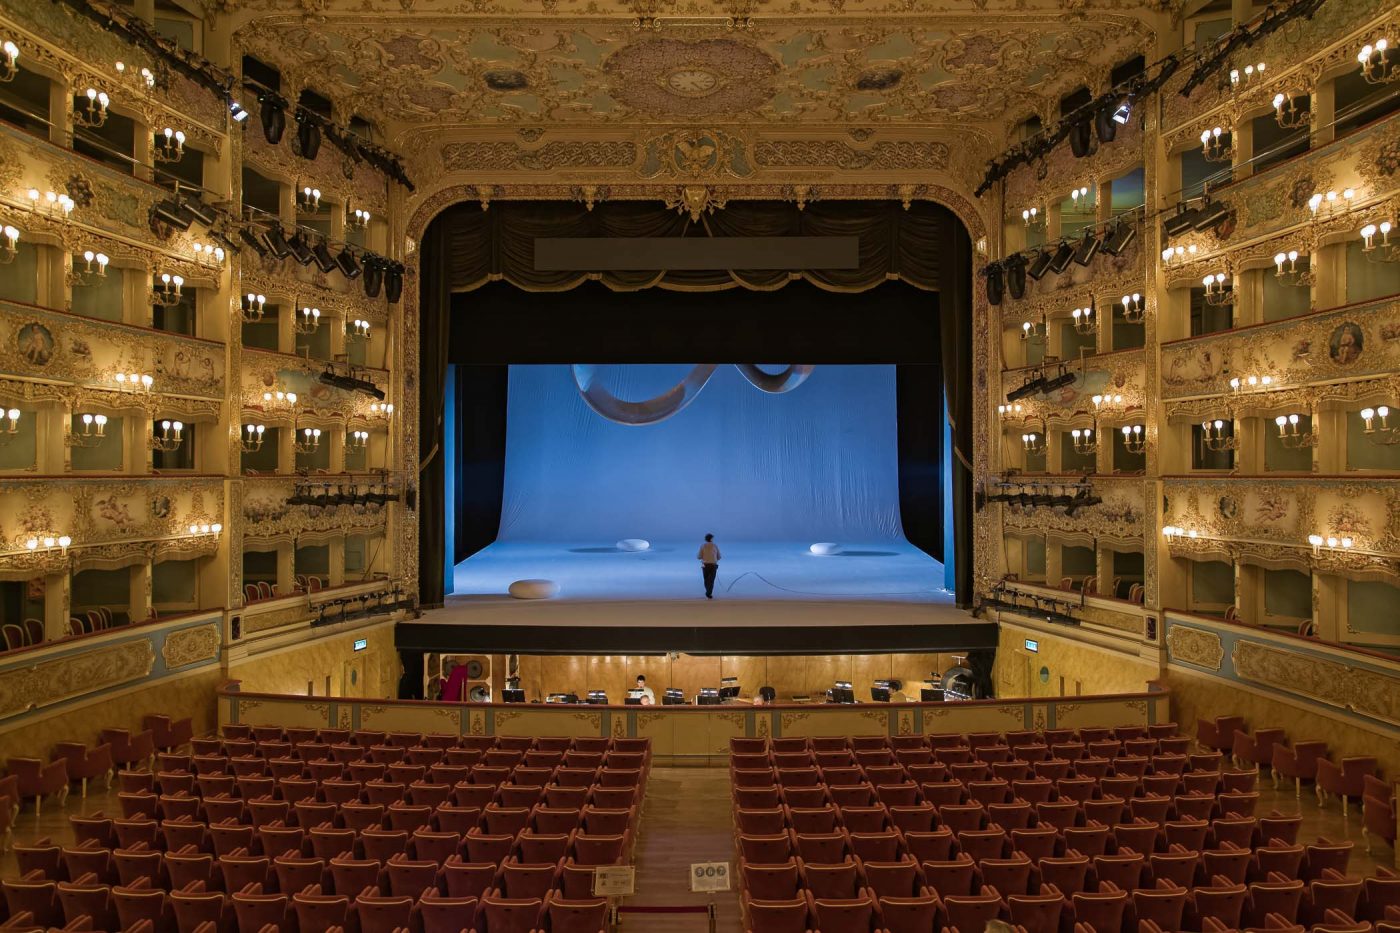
{"x":1032,"y":645}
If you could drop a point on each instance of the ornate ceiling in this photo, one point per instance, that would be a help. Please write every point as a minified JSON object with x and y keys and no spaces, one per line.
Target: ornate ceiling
{"x":907,"y":68}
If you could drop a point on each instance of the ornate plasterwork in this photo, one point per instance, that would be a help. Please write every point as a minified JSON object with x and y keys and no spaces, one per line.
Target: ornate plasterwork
{"x":1120,"y":518}
{"x":190,"y":646}
{"x":267,"y":516}
{"x":255,"y":622}
{"x":265,"y":370}
{"x":1362,"y":690}
{"x":1195,"y":646}
{"x":1119,"y":373}
{"x":52,"y":681}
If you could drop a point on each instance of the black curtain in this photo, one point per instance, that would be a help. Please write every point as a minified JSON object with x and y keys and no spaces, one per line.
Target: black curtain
{"x":435,"y":316}
{"x":482,"y":398}
{"x":466,"y":247}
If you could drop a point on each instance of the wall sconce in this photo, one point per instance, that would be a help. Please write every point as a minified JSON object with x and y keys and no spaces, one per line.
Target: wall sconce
{"x":1133,"y":309}
{"x":1381,"y":434}
{"x":309,"y":200}
{"x":1243,"y":78}
{"x":168,"y":290}
{"x":168,"y":146}
{"x":11,"y":428}
{"x":1085,"y":440}
{"x":1290,"y":436}
{"x":206,"y":529}
{"x":1251,"y":383}
{"x":1084,"y":320}
{"x":1134,"y":440}
{"x":1382,"y":251}
{"x":206,"y":254}
{"x":1076,"y":195}
{"x":1106,"y":401}
{"x":1012,"y":410}
{"x":252,"y":438}
{"x":50,"y":204}
{"x":309,"y":321}
{"x":88,"y":275}
{"x":143,"y":78}
{"x":1033,"y":218}
{"x":10,"y":250}
{"x":1375,"y":68}
{"x":171,"y":436}
{"x":93,"y":432}
{"x":135,"y":382}
{"x":279,"y":398}
{"x":357,"y":329}
{"x":1287,"y":113}
{"x":1033,"y":444}
{"x":48,"y":542}
{"x":1173,"y":532}
{"x":9,"y":61}
{"x":1178,"y":255}
{"x":310,"y":440}
{"x":93,"y":109}
{"x":1033,"y":332}
{"x":381,"y":408}
{"x":356,"y":440}
{"x":1214,"y":438}
{"x":1287,"y":271}
{"x":252,"y":306}
{"x":1217,"y":145}
{"x":1329,"y":204}
{"x":1219,"y":289}
{"x":357,"y":219}
{"x":1332,"y":542}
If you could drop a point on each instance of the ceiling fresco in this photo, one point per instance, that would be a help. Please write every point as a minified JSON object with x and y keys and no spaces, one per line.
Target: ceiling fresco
{"x":411,"y":71}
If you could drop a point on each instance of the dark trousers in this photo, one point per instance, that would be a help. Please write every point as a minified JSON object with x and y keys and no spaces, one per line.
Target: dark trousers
{"x":709,"y":571}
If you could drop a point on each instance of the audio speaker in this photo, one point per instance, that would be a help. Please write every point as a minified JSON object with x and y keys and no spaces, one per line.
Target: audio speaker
{"x":475,"y":669}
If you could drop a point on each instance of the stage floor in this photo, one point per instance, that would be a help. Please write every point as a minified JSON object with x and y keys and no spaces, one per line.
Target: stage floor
{"x":768,"y":583}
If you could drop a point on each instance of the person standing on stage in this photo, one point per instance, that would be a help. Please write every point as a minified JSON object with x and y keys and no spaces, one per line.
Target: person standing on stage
{"x":709,"y":564}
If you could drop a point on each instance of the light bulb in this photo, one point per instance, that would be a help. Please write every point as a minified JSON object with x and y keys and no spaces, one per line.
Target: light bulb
{"x":1315,"y":540}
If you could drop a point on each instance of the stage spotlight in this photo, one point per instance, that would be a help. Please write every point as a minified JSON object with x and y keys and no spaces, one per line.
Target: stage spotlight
{"x":1063,"y":254}
{"x":349,"y":265}
{"x":236,"y":111}
{"x":1104,"y":126}
{"x":321,"y":252}
{"x":374,"y":276}
{"x":250,"y":237}
{"x":1119,"y":237}
{"x":1088,"y":248}
{"x":301,"y":251}
{"x":1179,"y":222}
{"x":1029,"y":388}
{"x":274,"y":119}
{"x":276,"y":240}
{"x":393,"y":283}
{"x":1064,"y":378}
{"x":199,"y":211}
{"x":308,"y":136}
{"x":996,"y":282}
{"x":1039,"y":265}
{"x":1081,"y":139}
{"x":350,"y":384}
{"x":172,"y":212}
{"x":1210,"y":215}
{"x":1015,"y":266}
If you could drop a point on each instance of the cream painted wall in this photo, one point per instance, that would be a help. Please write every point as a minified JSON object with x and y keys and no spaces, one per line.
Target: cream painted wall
{"x":1085,"y":668}
{"x":288,"y":670}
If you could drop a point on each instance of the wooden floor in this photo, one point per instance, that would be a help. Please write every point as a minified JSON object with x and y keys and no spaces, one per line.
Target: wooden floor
{"x":687,"y":818}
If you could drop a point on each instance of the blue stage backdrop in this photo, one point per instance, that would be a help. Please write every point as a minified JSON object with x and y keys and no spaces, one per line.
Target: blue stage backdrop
{"x":817,"y":463}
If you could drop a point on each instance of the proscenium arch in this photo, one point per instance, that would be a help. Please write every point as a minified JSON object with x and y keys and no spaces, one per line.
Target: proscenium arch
{"x":978,"y":567}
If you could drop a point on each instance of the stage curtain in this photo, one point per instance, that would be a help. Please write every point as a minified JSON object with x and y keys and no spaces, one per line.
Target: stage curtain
{"x":499,"y":243}
{"x":435,"y":315}
{"x":955,"y":324}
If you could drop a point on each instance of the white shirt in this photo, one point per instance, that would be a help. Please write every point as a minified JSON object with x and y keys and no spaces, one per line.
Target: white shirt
{"x":709,"y":553}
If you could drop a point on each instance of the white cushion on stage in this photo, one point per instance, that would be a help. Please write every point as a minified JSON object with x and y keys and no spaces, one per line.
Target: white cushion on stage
{"x":825,"y":548}
{"x":634,"y":544}
{"x":534,"y":589}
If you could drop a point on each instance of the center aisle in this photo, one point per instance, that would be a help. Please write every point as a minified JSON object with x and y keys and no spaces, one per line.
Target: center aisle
{"x":687,"y":818}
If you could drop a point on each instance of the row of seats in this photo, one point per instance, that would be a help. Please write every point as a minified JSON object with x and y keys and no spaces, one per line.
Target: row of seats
{"x":947,"y":739}
{"x":1142,"y":749}
{"x":367,"y":737}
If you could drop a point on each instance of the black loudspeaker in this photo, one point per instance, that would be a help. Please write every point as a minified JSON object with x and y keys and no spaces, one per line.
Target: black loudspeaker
{"x":475,"y":669}
{"x":393,"y":283}
{"x":1081,"y":139}
{"x":1104,"y":124}
{"x":373,"y":279}
{"x":996,"y":283}
{"x":274,"y":120}
{"x":308,"y":138}
{"x":1016,"y":275}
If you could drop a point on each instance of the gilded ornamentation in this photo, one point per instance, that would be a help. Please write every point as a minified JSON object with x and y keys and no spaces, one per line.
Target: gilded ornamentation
{"x":1361,"y":690}
{"x":1195,"y":646}
{"x":49,"y":682}
{"x":190,"y":646}
{"x":507,"y":156}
